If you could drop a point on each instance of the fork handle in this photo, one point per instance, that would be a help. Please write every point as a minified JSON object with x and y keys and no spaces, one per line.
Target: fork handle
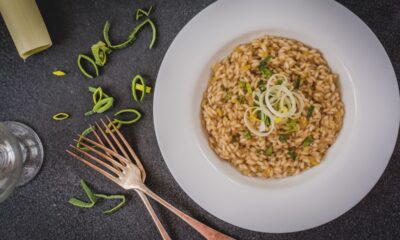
{"x":153,"y":215}
{"x":204,"y":230}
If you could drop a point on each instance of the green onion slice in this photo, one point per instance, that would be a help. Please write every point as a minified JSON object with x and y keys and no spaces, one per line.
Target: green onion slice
{"x":128,"y":110}
{"x":79,"y":203}
{"x":112,"y":197}
{"x":106,"y":30}
{"x":84,"y":134}
{"x":310,"y":111}
{"x":140,"y":13}
{"x":297,"y":82}
{"x":117,"y":124}
{"x":100,"y":51}
{"x":308,"y":141}
{"x":88,"y":192}
{"x":103,"y":105}
{"x":60,"y":116}
{"x":248,"y":88}
{"x":135,"y":87}
{"x":97,"y":95}
{"x":138,"y":27}
{"x":79,"y":61}
{"x":292,"y":154}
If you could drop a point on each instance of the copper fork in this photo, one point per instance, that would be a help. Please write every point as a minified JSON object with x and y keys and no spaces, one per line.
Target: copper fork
{"x":117,"y":166}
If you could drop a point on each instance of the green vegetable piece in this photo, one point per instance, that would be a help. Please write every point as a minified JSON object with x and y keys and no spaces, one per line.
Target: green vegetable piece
{"x":84,"y":134}
{"x":128,"y":110}
{"x":292,"y":154}
{"x":61,"y":116}
{"x":269,"y":151}
{"x":283,"y":138}
{"x":117,"y":124}
{"x":97,"y":95}
{"x":153,"y":28}
{"x":100,"y":51}
{"x":228,"y":96}
{"x":88,"y":192}
{"x":140,"y":13}
{"x":290,"y":126}
{"x":310,"y":111}
{"x":113,"y":197}
{"x":248,"y":88}
{"x":81,"y":204}
{"x":241,"y":99}
{"x":263,"y":67}
{"x":297,"y":82}
{"x":103,"y":105}
{"x":134,"y":88}
{"x":242,"y":84}
{"x":247,"y":135}
{"x":261,"y":85}
{"x":308,"y":141}
{"x":79,"y":62}
{"x":106,"y":31}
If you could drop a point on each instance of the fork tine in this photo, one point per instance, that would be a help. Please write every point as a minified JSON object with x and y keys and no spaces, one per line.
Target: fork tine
{"x":102,"y":163}
{"x":96,"y":168}
{"x":106,"y":156}
{"x":106,"y":138}
{"x":130,"y":149}
{"x":102,"y":143}
{"x":105,"y":149}
{"x":115,"y":139}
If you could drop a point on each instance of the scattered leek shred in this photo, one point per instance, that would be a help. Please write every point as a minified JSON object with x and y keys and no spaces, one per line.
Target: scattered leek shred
{"x":308,"y":141}
{"x":263,"y":67}
{"x":61,"y":116}
{"x":93,"y":198}
{"x":269,"y":151}
{"x":310,"y":111}
{"x":100,"y":51}
{"x":84,"y":134}
{"x":297,"y":82}
{"x":247,"y":135}
{"x":59,"y":73}
{"x":132,"y":36}
{"x":91,"y":61}
{"x":102,"y":102}
{"x":283,"y":137}
{"x":140,"y":13}
{"x":292,"y":154}
{"x":136,"y":113}
{"x":139,"y":86}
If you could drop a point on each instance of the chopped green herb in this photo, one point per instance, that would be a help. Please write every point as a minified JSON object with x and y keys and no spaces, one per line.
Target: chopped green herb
{"x":308,"y":141}
{"x":61,"y":116}
{"x":91,"y":61}
{"x":59,"y":73}
{"x":248,"y":88}
{"x":93,"y":197}
{"x":292,"y":154}
{"x":310,"y":111}
{"x":297,"y":82}
{"x":84,"y":134}
{"x":263,"y":67}
{"x":247,"y":135}
{"x":241,"y":99}
{"x":228,"y":96}
{"x":283,"y":137}
{"x":261,"y":85}
{"x":135,"y":87}
{"x":269,"y":151}
{"x":140,"y":13}
{"x":290,"y":126}
{"x":242,"y":84}
{"x":279,"y":82}
{"x":128,"y":110}
{"x":100,"y":51}
{"x":113,"y":197}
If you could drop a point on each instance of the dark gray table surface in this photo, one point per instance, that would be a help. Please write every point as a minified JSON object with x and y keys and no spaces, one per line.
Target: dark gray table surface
{"x":31,"y":94}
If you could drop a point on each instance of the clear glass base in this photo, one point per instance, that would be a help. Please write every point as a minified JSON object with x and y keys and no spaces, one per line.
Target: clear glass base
{"x":31,"y":148}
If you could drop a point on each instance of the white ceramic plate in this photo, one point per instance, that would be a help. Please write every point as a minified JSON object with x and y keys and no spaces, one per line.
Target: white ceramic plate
{"x":353,"y":164}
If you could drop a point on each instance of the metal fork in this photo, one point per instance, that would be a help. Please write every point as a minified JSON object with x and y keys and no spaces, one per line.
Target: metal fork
{"x":118,"y":167}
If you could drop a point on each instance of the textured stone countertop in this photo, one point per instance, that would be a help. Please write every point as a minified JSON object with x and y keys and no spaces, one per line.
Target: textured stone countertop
{"x":31,"y":94}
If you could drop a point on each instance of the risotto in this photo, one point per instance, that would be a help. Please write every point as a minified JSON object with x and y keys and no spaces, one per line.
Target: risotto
{"x":272,"y":108}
